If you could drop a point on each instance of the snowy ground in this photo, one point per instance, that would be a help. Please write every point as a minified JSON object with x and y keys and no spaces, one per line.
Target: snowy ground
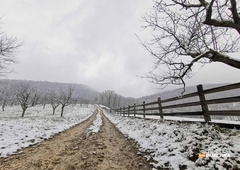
{"x":176,"y":145}
{"x":96,"y":125}
{"x":37,"y":125}
{"x":186,"y":119}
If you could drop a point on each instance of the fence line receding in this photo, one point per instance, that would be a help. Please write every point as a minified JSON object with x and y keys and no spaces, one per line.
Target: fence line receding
{"x":158,"y":107}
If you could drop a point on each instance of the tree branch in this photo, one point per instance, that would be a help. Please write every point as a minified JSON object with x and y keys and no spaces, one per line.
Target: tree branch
{"x":235,"y":12}
{"x":202,"y":3}
{"x":179,"y":42}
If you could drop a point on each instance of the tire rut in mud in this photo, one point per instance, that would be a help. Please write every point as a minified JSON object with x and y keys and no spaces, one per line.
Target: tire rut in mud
{"x":109,"y":149}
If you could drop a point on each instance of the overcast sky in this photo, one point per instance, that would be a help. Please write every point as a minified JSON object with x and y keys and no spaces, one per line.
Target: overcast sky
{"x":89,"y":42}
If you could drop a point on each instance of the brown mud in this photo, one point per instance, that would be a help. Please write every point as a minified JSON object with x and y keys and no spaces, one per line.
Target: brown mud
{"x":72,"y":150}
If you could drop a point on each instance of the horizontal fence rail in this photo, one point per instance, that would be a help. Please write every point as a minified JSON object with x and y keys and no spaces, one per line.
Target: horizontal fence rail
{"x":158,"y":107}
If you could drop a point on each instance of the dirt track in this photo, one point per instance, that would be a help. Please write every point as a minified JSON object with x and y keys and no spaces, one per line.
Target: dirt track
{"x":71,"y":150}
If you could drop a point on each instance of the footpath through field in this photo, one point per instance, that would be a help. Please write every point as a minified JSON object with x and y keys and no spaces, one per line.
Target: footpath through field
{"x":73,"y":150}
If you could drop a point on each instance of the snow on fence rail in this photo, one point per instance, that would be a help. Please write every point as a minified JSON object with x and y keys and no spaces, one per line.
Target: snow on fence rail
{"x":159,"y":107}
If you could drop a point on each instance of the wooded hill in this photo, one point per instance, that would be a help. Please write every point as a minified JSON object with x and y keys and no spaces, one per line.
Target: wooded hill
{"x":80,"y":90}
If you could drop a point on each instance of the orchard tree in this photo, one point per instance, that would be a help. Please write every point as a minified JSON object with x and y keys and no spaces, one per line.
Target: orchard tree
{"x":189,"y":33}
{"x":6,"y":95}
{"x":27,"y":96}
{"x":4,"y":98}
{"x":44,"y":99}
{"x":64,"y":98}
{"x":53,"y":100}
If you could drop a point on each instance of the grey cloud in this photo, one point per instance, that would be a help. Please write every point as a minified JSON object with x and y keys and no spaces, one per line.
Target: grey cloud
{"x":88,"y":42}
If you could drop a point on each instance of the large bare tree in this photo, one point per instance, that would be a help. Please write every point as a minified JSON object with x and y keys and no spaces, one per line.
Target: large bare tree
{"x":27,"y":96}
{"x":8,"y":47}
{"x":190,"y":33}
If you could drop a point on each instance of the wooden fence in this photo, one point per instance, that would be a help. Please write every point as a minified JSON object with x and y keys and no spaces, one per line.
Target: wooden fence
{"x":157,"y":108}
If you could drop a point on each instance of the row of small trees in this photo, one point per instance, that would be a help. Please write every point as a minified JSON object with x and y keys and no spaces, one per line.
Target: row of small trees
{"x":27,"y":96}
{"x":111,"y":99}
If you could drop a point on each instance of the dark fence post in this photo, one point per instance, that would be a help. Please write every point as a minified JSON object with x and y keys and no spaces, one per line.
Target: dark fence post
{"x":134,"y":109}
{"x":123,"y":111}
{"x":128,"y":110}
{"x":120,"y":111}
{"x":204,"y":106}
{"x":160,"y":108}
{"x":144,"y":109}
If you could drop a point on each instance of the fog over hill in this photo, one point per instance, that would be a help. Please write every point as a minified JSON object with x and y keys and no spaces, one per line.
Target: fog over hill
{"x":80,"y":90}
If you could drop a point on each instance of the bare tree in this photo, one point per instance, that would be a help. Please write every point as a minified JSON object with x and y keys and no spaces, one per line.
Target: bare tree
{"x":218,"y":13}
{"x":53,"y":100}
{"x":65,"y":97}
{"x":75,"y":101}
{"x":81,"y":101}
{"x":6,"y":94}
{"x":4,"y":98}
{"x":190,"y":34}
{"x":119,"y":101}
{"x":114,"y":103}
{"x":44,"y":99}
{"x":8,"y":48}
{"x":101,"y":98}
{"x":107,"y":97}
{"x":27,"y":96}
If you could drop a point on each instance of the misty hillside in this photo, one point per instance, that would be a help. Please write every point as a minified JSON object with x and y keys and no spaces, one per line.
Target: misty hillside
{"x":80,"y":90}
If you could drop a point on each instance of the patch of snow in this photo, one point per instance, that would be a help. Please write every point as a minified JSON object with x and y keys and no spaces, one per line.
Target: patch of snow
{"x":186,"y":119}
{"x":176,"y":145}
{"x":104,"y":107}
{"x":38,"y":124}
{"x":96,"y":125}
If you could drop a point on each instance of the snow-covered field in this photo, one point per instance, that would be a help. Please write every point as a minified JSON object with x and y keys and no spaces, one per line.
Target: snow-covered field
{"x":176,"y":145}
{"x":37,"y":125}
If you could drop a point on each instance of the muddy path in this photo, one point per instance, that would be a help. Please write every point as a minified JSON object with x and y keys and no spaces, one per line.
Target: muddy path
{"x":72,"y":150}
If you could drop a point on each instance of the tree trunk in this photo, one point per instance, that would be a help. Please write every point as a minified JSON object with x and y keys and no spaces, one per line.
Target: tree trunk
{"x":62,"y":108}
{"x":218,"y":57}
{"x":54,"y":110}
{"x":3,"y":106}
{"x":24,"y":109}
